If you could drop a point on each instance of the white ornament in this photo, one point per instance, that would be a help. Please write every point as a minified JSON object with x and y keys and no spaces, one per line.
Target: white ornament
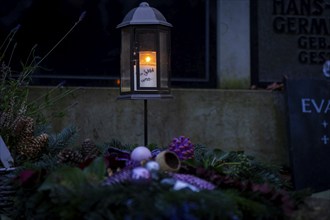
{"x":152,"y":166}
{"x":140,"y":173}
{"x":182,"y":185}
{"x":141,"y":153}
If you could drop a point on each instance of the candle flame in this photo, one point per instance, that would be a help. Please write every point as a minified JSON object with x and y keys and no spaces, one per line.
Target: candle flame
{"x":148,"y":59}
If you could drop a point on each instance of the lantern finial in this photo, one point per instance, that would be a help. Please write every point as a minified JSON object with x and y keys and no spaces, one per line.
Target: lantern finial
{"x":144,"y":4}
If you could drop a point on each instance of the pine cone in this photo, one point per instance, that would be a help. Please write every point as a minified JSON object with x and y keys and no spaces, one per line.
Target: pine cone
{"x":89,"y":149}
{"x":22,"y":127}
{"x":29,"y":147}
{"x":32,"y":146}
{"x":42,"y":139}
{"x":18,"y":126}
{"x":29,"y":126}
{"x":70,"y":156}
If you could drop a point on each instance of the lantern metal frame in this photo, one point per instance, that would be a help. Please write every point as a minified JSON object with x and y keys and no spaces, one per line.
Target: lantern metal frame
{"x":145,"y":29}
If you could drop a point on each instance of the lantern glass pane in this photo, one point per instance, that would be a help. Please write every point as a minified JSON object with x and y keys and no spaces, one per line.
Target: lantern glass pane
{"x":164,"y":58}
{"x":147,"y":40}
{"x":147,"y":77}
{"x":125,"y":81}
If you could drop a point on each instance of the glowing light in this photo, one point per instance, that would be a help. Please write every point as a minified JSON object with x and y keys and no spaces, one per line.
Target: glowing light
{"x":148,"y":59}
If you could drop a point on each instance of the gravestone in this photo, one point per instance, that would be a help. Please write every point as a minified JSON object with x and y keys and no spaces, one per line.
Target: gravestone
{"x":308,"y":102}
{"x":289,"y":38}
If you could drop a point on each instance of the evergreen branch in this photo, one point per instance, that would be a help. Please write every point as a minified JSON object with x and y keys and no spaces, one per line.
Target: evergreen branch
{"x":62,"y":139}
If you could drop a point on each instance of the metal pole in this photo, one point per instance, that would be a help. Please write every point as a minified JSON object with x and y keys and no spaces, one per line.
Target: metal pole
{"x":145,"y":122}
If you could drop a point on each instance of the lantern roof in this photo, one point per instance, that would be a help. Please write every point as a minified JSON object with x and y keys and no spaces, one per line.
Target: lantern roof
{"x":142,"y":15}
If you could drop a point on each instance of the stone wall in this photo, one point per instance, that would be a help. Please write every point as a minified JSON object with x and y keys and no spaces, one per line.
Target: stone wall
{"x":250,"y":120}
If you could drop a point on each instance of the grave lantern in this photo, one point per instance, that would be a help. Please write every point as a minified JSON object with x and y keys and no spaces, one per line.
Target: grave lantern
{"x":145,"y":54}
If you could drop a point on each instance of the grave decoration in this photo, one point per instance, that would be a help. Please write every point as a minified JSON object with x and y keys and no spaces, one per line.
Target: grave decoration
{"x":106,"y":182}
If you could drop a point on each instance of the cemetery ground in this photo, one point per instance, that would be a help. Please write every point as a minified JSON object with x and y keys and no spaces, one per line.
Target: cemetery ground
{"x":316,"y":206}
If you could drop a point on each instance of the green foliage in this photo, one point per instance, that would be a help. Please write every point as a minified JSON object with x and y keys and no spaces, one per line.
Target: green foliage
{"x":73,"y":178}
{"x":118,"y":144}
{"x":72,"y":193}
{"x":238,"y":165}
{"x":63,"y":139}
{"x":244,"y":189}
{"x":67,"y":194}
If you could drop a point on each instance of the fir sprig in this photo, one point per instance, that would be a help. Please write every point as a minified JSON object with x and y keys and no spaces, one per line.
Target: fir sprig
{"x":63,"y":139}
{"x":237,"y":164}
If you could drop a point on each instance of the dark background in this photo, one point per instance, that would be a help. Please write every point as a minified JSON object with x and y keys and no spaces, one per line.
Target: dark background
{"x":89,"y":55}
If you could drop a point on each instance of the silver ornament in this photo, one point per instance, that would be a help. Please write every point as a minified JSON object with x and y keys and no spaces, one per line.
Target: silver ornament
{"x":152,"y":166}
{"x":140,"y":173}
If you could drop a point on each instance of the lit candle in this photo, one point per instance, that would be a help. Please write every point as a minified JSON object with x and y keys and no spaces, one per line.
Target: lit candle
{"x":148,"y":69}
